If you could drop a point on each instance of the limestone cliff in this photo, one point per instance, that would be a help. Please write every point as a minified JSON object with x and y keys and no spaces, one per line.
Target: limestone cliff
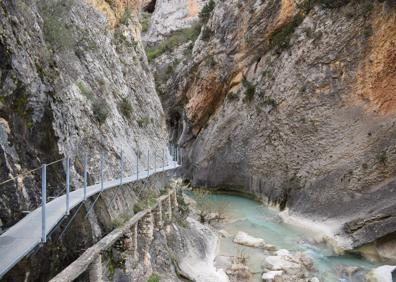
{"x":74,"y":80}
{"x":169,"y":16}
{"x":294,"y":101}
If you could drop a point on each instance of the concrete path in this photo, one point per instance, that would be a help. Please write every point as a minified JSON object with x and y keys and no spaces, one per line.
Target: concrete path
{"x":20,"y":239}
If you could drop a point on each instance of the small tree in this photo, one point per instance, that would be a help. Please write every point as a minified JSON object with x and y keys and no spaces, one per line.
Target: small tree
{"x":101,"y":110}
{"x":126,"y":15}
{"x":250,"y":89}
{"x":125,"y":108}
{"x":207,"y":210}
{"x":206,"y":11}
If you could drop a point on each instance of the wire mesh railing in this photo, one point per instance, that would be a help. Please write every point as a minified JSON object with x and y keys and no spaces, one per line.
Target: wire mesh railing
{"x":67,"y":180}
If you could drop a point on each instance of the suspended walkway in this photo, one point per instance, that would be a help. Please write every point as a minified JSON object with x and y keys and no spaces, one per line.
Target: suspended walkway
{"x":31,"y":231}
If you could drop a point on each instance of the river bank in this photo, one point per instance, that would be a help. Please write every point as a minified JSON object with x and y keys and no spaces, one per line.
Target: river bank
{"x":292,"y":242}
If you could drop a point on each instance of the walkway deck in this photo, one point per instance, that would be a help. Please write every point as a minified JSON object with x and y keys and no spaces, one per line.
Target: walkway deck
{"x":20,"y":239}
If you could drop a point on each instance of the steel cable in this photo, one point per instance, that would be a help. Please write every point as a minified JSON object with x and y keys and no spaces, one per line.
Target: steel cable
{"x":28,"y":172}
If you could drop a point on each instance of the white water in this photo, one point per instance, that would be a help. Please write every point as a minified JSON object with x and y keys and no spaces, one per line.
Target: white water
{"x":259,"y":221}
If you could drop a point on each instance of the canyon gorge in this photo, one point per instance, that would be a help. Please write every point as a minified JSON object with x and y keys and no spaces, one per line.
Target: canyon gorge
{"x":291,"y":103}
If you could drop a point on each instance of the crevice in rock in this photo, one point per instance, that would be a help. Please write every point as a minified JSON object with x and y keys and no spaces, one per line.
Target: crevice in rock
{"x":150,"y":7}
{"x":175,"y":125}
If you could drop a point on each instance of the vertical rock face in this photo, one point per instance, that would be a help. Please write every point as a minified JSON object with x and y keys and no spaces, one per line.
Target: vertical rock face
{"x":170,"y":16}
{"x":74,"y":79}
{"x":294,"y":100}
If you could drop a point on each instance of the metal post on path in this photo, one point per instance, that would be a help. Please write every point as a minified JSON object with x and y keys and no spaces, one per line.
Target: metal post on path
{"x":121,"y":167}
{"x":67,"y":185}
{"x":43,"y":203}
{"x":85,"y":176}
{"x":148,"y":162}
{"x":137,"y":166}
{"x":101,"y":172}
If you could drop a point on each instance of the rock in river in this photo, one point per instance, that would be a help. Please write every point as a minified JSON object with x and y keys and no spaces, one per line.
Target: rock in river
{"x":245,"y":239}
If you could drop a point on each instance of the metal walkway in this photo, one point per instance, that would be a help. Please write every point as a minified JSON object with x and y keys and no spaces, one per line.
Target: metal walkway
{"x":20,"y":239}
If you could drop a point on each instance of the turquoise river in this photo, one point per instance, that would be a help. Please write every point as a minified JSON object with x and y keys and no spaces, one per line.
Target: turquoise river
{"x":243,"y":214}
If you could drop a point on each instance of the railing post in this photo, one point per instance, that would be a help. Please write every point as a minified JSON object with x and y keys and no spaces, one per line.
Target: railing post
{"x":85,"y":176}
{"x":43,"y":203}
{"x":148,"y":162}
{"x":155,"y":161}
{"x":175,"y":157}
{"x":101,"y":173}
{"x":137,"y":166}
{"x":121,"y":167}
{"x":67,"y":185}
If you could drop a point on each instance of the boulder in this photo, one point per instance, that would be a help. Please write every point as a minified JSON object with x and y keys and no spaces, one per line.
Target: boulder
{"x":283,"y":252}
{"x":270,"y":275}
{"x":381,"y":274}
{"x":245,"y":239}
{"x":280,"y":263}
{"x":224,"y":234}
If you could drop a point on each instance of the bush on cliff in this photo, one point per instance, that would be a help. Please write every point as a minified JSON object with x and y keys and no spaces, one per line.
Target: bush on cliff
{"x":206,"y":11}
{"x":101,"y":110}
{"x":176,"y":39}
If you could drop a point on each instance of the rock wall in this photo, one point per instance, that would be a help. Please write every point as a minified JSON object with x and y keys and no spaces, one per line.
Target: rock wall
{"x":170,"y":16}
{"x":74,"y":80}
{"x":291,"y":100}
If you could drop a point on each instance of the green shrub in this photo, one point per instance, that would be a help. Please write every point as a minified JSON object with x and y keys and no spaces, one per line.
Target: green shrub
{"x":269,"y":101}
{"x":206,"y":34}
{"x":148,"y":201}
{"x":125,"y":107}
{"x":184,"y":207}
{"x":126,"y":16}
{"x":21,"y":108}
{"x":368,"y":31}
{"x":210,"y":61}
{"x":60,"y":36}
{"x":332,"y":4}
{"x":307,"y":5}
{"x":206,"y":11}
{"x":84,"y":90}
{"x":176,"y":39}
{"x":154,"y":278}
{"x":382,"y":157}
{"x":170,"y":69}
{"x":143,"y":122}
{"x":233,"y":95}
{"x":101,"y":110}
{"x":250,"y":89}
{"x":281,"y":38}
{"x":367,"y":7}
{"x":145,"y":21}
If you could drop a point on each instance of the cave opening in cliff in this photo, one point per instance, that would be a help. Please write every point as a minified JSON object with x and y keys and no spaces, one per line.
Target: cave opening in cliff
{"x":175,"y":126}
{"x":150,"y":6}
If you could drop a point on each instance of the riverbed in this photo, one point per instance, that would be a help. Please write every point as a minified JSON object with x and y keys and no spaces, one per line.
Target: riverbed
{"x":243,"y":214}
